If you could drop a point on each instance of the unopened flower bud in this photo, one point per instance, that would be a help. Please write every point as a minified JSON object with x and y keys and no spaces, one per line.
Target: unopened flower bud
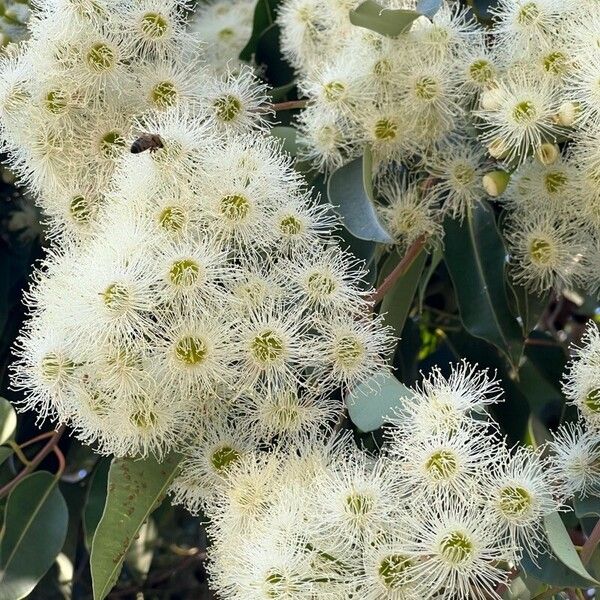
{"x":495,"y":183}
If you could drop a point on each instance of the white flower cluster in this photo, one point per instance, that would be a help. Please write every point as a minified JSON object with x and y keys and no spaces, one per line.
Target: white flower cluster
{"x":576,"y":446}
{"x":444,"y":512}
{"x":446,"y":99}
{"x":192,"y":284}
{"x":224,"y":26}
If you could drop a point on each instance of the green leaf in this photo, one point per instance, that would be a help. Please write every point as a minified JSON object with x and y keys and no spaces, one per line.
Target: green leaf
{"x":95,"y":500}
{"x":530,"y":307}
{"x":475,"y":257}
{"x":346,"y":192}
{"x":370,"y":402}
{"x":287,"y":136}
{"x":8,"y":421}
{"x":388,"y":22}
{"x":565,"y":567}
{"x":397,"y":302}
{"x":264,"y":16}
{"x":275,"y":68}
{"x":135,"y":489}
{"x":5,"y":452}
{"x":35,"y":527}
{"x":537,"y":433}
{"x":436,"y":258}
{"x":586,"y":507}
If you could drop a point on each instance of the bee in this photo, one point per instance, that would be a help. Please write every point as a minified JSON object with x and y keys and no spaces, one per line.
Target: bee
{"x":147,"y":141}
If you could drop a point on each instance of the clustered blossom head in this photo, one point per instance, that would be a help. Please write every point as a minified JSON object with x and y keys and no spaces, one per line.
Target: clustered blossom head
{"x":194,"y":296}
{"x":443,"y":512}
{"x":576,"y":446}
{"x":447,"y":99}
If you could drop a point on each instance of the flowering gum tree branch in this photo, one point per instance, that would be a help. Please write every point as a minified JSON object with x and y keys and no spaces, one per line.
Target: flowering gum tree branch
{"x":50,"y":446}
{"x":403,"y":266}
{"x":290,"y":105}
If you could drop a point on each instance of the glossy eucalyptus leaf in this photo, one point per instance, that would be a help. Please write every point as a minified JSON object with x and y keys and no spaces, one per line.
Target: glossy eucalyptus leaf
{"x":436,"y":258}
{"x":475,"y":256}
{"x":287,"y":136}
{"x":390,"y":22}
{"x":563,"y":570}
{"x":264,"y":17}
{"x":370,"y":402}
{"x":95,"y":500}
{"x":397,"y":302}
{"x":586,"y":507}
{"x":8,"y":421}
{"x":35,"y":526}
{"x":530,"y":307}
{"x":135,"y":489}
{"x":347,"y":194}
{"x":275,"y":68}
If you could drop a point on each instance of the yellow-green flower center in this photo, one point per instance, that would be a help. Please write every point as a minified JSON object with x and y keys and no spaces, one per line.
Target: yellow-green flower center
{"x":528,"y":13}
{"x":184,"y":272}
{"x":290,"y":225}
{"x":426,"y":88}
{"x":392,"y":570}
{"x":53,"y":366}
{"x":359,"y":504}
{"x":464,"y":174}
{"x":267,"y":347}
{"x":541,"y":251}
{"x":481,"y":71}
{"x":191,"y":350}
{"x":515,"y":501}
{"x":80,"y":209}
{"x":555,"y":63}
{"x":457,"y":548}
{"x":334,"y":91}
{"x":223,"y":458}
{"x":116,"y":297}
{"x":524,"y":112}
{"x":154,"y":25}
{"x":56,"y":101}
{"x":442,"y":464}
{"x":164,"y":94}
{"x":349,"y":351}
{"x":592,"y":400}
{"x":112,"y":144}
{"x":235,"y":207}
{"x":172,"y":218}
{"x":555,"y":181}
{"x":101,"y":57}
{"x":227,"y":107}
{"x":144,"y":419}
{"x":321,"y":284}
{"x":385,"y":129}
{"x":226,"y":33}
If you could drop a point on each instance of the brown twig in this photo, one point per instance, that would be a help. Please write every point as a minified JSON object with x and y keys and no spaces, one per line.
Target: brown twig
{"x":290,"y":105}
{"x":50,"y":446}
{"x":401,"y":268}
{"x":590,"y":544}
{"x":160,"y":576}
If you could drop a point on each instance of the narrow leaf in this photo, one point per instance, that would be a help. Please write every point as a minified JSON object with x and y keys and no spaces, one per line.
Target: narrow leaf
{"x":8,"y":421}
{"x":264,"y":16}
{"x":562,"y":546}
{"x":370,"y":402}
{"x":95,"y":500}
{"x":388,"y":22}
{"x":135,"y":489}
{"x":35,"y":527}
{"x":398,"y":301}
{"x":475,"y":256}
{"x":347,"y":194}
